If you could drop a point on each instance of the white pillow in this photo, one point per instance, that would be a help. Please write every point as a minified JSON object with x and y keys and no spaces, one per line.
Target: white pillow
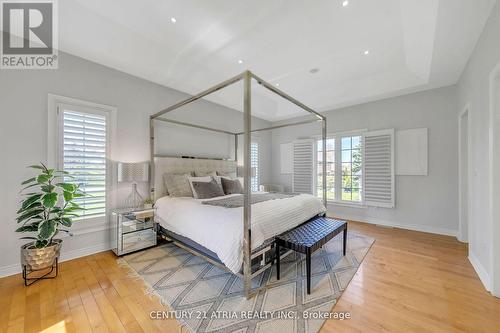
{"x":205,"y":179}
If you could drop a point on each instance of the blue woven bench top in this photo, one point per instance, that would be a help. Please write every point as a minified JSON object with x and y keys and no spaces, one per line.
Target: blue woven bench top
{"x":311,"y":234}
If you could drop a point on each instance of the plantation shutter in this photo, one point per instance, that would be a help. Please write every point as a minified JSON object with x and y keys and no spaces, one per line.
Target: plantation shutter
{"x":303,"y":170}
{"x":254,"y":162}
{"x":379,"y":168}
{"x":84,"y":156}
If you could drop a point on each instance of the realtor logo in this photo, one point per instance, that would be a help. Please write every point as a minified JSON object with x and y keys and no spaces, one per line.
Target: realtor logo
{"x":29,"y":34}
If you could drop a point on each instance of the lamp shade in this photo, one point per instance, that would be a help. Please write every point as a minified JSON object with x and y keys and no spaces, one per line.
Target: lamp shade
{"x":133,"y":172}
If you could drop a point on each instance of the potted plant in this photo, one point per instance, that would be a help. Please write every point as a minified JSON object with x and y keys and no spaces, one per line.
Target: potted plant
{"x":47,"y":207}
{"x":148,"y":203}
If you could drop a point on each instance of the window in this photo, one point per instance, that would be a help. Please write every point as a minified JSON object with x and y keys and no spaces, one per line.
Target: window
{"x":344,"y":157}
{"x":330,"y":169}
{"x":84,"y":155}
{"x":254,"y":164}
{"x":351,"y":168}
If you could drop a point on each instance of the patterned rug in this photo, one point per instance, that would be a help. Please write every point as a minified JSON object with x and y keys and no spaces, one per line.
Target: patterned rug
{"x":208,"y":299}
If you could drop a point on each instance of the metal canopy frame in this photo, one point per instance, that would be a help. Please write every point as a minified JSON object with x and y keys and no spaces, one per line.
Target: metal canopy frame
{"x":246,"y":77}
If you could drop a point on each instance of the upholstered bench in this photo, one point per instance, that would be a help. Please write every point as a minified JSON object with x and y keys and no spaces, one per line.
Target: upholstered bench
{"x":307,"y":238}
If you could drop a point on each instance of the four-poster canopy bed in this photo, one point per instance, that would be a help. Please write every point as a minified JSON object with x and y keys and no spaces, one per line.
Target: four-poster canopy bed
{"x":160,"y":163}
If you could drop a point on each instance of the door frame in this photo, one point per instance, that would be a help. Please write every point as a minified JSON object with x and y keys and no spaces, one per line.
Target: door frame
{"x":464,"y":221}
{"x":494,"y":190}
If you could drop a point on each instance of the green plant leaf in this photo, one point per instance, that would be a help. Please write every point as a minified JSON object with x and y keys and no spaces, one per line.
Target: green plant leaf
{"x":43,"y":178}
{"x":78,"y":195}
{"x":75,"y":206}
{"x":39,"y":167}
{"x":29,"y":186}
{"x":68,"y":196}
{"x":29,"y":214}
{"x":28,"y":228}
{"x":36,"y":204}
{"x":49,"y":199}
{"x":47,"y":229}
{"x":28,"y":202}
{"x":48,"y":188}
{"x":40,"y":244}
{"x":66,"y":221}
{"x":68,"y":187}
{"x":27,"y":181}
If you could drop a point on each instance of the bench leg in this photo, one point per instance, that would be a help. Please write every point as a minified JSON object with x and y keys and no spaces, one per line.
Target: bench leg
{"x":345,"y":240}
{"x":277,"y":261}
{"x":308,"y":270}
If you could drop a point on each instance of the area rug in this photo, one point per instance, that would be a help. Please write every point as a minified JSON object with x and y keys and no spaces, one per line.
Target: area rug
{"x":207,"y":299}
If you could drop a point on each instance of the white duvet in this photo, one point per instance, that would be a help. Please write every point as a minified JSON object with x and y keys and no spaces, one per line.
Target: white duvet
{"x":220,"y":229}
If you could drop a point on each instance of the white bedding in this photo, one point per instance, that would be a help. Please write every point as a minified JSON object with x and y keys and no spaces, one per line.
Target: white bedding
{"x":220,"y":229}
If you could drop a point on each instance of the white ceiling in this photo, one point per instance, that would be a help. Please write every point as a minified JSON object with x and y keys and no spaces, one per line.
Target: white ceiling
{"x":414,"y":45}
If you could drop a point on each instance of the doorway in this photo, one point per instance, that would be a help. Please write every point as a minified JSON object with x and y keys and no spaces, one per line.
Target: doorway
{"x":463,"y":175}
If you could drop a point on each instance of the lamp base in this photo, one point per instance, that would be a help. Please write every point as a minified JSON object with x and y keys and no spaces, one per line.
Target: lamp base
{"x":134,"y":200}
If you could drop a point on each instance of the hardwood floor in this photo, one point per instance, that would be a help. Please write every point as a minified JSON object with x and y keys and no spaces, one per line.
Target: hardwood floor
{"x":408,"y":282}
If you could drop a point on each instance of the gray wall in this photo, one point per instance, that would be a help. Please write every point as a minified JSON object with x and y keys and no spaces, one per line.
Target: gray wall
{"x":474,"y":91}
{"x":427,"y":203}
{"x":23,"y":134}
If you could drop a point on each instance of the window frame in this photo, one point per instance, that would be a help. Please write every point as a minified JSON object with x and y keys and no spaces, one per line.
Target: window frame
{"x":55,"y":154}
{"x":338,"y":167}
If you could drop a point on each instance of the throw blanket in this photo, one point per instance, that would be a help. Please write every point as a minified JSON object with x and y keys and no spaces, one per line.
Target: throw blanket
{"x":237,"y":201}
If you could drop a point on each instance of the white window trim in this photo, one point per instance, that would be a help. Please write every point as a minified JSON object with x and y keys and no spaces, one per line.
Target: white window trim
{"x":53,"y":154}
{"x":338,"y":167}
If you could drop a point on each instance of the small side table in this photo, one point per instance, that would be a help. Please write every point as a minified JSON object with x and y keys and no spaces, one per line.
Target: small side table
{"x":133,"y":230}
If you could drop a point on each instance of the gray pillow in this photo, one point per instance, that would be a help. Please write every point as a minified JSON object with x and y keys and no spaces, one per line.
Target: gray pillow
{"x":177,"y":185}
{"x":231,"y":186}
{"x":206,"y":190}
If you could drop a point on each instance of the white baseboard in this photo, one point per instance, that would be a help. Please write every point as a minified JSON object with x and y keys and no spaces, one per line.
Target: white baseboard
{"x":414,"y":227}
{"x":481,"y":271}
{"x":65,"y":256}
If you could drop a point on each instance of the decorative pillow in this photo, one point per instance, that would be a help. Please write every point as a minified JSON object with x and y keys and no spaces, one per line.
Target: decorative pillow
{"x":177,"y":185}
{"x":206,"y":179}
{"x":231,"y":186}
{"x":204,"y":174}
{"x":231,"y":175}
{"x":206,"y":190}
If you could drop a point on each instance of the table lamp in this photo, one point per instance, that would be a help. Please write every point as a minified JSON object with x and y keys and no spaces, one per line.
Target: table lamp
{"x":133,"y":173}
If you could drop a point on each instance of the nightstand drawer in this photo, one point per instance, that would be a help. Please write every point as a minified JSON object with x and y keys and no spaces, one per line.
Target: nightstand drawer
{"x":138,"y":240}
{"x":128,"y":226}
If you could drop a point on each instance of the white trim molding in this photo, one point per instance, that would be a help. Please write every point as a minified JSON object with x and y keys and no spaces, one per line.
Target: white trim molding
{"x":385,"y":223}
{"x":494,"y":189}
{"x":65,"y":256}
{"x":481,"y":271}
{"x":463,"y":226}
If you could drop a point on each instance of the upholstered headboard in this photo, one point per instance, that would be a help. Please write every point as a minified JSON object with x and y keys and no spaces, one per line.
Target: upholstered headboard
{"x":164,"y":165}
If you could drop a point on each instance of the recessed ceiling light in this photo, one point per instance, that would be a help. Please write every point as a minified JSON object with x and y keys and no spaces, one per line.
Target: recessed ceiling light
{"x":173,"y":19}
{"x":314,"y":70}
{"x":240,"y":61}
{"x":345,"y":3}
{"x":367,"y":52}
{"x":277,"y":84}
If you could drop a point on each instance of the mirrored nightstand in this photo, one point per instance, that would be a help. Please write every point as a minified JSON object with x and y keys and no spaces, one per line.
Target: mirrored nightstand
{"x":133,"y":230}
